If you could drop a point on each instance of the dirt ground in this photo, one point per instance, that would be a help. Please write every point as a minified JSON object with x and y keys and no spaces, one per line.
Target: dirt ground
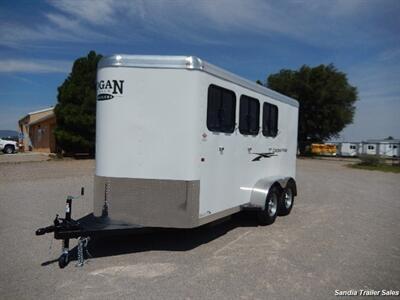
{"x":343,"y":234}
{"x":23,"y":157}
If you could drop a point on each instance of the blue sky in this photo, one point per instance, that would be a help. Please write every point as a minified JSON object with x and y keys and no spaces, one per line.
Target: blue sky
{"x":39,"y":40}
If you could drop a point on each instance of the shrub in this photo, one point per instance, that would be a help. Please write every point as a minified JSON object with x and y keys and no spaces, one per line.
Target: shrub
{"x":371,"y":160}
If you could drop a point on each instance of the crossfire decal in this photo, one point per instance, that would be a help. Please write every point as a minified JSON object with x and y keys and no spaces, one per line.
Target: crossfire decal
{"x":263,"y":155}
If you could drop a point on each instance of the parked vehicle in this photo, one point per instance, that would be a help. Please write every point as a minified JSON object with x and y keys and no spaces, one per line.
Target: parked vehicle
{"x":200,"y":144}
{"x":382,"y":147}
{"x":324,"y":149}
{"x":348,"y":149}
{"x":8,"y":146}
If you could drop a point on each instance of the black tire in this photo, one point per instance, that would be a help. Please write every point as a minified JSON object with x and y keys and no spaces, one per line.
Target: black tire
{"x":8,"y":149}
{"x":63,"y":260}
{"x":286,"y":201}
{"x":268,"y":215}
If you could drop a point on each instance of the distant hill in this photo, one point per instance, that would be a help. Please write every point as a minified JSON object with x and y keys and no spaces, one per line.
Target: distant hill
{"x":8,"y":133}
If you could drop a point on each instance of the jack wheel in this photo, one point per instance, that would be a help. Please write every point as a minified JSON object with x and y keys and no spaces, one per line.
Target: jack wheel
{"x":63,"y":260}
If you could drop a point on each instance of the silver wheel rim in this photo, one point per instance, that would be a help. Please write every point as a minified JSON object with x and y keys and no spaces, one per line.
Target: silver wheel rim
{"x":288,"y":198}
{"x":272,"y":204}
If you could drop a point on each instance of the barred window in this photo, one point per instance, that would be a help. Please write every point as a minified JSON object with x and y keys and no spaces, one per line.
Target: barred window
{"x":221,"y":109}
{"x":249,"y":115}
{"x":270,"y":120}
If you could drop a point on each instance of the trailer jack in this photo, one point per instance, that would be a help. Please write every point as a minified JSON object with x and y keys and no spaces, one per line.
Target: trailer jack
{"x":85,"y":229}
{"x":67,"y":224}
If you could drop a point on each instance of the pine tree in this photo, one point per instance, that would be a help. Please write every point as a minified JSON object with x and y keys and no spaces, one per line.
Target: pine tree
{"x":76,"y":108}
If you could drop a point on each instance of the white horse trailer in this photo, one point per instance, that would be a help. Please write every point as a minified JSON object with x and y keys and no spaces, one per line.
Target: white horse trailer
{"x":348,"y":149}
{"x":370,"y":148}
{"x":389,"y":148}
{"x":181,"y":143}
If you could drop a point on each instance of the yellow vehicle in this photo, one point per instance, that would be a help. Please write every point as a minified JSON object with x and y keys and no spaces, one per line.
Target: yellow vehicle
{"x":323,"y":149}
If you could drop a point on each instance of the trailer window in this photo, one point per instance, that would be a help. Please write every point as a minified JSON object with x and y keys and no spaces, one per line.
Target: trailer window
{"x":270,"y":119}
{"x":221,"y":109}
{"x":249,"y":115}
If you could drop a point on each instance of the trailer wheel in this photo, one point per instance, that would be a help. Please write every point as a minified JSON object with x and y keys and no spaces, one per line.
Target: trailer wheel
{"x":286,"y":201}
{"x":63,"y":260}
{"x":268,"y":215}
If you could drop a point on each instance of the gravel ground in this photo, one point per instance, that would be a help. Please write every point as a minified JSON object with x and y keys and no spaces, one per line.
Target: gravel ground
{"x":343,"y":233}
{"x":23,"y":157}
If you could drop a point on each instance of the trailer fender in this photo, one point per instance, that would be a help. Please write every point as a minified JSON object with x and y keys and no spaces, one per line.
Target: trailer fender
{"x":262,"y":187}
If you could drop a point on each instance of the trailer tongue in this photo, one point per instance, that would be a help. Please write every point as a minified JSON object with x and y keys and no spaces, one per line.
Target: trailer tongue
{"x":84,"y":229}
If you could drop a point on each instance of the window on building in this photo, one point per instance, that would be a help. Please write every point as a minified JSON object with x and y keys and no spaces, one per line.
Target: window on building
{"x":249,"y":115}
{"x":221,"y":109}
{"x":270,"y":119}
{"x":394,"y":146}
{"x":371,"y":147}
{"x":352,"y":147}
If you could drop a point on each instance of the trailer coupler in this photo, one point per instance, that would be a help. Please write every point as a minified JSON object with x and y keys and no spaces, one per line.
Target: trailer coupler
{"x":65,"y":225}
{"x":59,"y":225}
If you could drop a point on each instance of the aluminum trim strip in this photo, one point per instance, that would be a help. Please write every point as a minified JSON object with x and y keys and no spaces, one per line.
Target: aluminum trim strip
{"x":219,"y":215}
{"x":151,"y":61}
{"x":189,"y":63}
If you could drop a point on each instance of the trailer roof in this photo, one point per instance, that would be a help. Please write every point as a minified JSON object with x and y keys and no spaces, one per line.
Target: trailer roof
{"x":383,"y":141}
{"x":189,"y":63}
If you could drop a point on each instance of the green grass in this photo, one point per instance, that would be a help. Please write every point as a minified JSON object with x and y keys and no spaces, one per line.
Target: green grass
{"x":379,"y":167}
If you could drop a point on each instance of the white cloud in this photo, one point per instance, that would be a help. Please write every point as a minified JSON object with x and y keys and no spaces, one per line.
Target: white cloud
{"x":376,"y":81}
{"x":390,"y":54}
{"x":63,"y":22}
{"x":21,"y":36}
{"x":54,"y":28}
{"x":333,"y":24}
{"x":320,"y":23}
{"x":93,"y":11}
{"x":34,"y":66}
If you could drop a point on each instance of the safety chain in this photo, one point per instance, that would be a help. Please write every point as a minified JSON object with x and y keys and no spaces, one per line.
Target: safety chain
{"x":82,"y":246}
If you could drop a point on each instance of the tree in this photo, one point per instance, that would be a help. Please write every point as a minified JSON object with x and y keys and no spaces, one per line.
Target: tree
{"x":326,"y":100}
{"x":76,"y":108}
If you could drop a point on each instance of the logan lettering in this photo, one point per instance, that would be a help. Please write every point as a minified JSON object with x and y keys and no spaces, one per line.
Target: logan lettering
{"x":117,"y":86}
{"x":100,"y":85}
{"x":107,"y":88}
{"x":108,"y":85}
